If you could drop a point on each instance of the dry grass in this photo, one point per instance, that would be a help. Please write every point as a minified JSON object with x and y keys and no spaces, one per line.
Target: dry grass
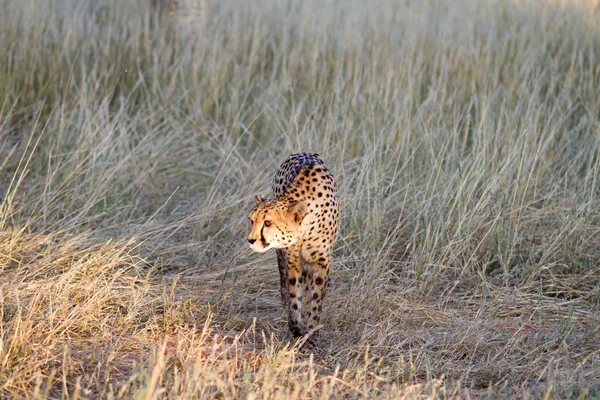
{"x":465,"y":138}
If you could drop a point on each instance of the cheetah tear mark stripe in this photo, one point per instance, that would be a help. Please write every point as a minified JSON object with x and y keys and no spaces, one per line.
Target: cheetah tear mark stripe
{"x":262,"y":237}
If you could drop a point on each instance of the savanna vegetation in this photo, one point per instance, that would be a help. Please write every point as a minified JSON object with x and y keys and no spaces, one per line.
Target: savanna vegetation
{"x":465,"y":139}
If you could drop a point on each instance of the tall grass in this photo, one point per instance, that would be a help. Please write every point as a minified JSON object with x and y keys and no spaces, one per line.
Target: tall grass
{"x":465,"y":140}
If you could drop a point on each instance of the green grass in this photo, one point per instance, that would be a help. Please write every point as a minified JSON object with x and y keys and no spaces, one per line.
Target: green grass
{"x":465,"y":140}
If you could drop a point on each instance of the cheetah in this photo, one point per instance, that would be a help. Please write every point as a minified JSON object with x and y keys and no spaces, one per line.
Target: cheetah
{"x":301,"y":223}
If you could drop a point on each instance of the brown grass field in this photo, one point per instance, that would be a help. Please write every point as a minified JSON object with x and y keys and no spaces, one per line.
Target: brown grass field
{"x":465,"y":140}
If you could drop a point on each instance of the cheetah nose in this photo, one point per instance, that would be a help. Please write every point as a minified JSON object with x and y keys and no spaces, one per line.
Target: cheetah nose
{"x":251,"y":241}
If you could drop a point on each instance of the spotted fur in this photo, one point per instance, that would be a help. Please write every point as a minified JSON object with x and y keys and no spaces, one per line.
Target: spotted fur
{"x":301,"y":222}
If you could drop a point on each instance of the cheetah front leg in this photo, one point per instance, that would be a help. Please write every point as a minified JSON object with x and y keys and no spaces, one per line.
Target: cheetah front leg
{"x":295,"y":291}
{"x":305,"y":281}
{"x":282,"y":263}
{"x":317,"y":288}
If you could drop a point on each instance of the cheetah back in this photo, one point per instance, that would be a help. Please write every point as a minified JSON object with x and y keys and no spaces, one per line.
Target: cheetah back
{"x":290,"y":168}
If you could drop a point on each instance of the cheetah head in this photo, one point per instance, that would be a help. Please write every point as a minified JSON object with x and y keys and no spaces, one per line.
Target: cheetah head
{"x":275,"y":224}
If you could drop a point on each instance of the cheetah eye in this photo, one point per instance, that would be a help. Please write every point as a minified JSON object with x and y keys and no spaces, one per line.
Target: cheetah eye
{"x":268,"y":223}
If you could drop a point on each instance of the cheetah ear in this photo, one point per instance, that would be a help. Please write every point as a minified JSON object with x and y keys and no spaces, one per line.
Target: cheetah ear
{"x":298,"y":210}
{"x":259,"y":199}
